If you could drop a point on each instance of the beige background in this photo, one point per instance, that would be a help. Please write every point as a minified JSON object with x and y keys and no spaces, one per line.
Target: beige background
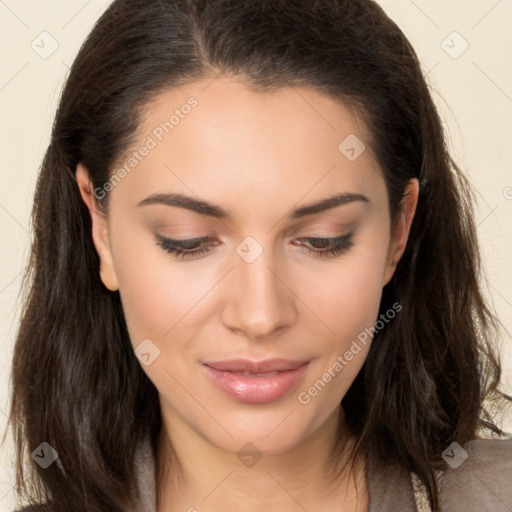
{"x":473,"y":91}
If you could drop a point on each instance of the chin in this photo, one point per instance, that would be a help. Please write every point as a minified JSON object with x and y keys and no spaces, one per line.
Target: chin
{"x":271,"y":433}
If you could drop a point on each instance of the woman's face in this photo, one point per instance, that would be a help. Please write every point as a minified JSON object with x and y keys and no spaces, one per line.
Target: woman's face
{"x":248,"y":339}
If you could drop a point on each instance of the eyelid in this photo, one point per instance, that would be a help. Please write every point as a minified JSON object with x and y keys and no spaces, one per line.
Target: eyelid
{"x":320,"y":229}
{"x":186,"y":241}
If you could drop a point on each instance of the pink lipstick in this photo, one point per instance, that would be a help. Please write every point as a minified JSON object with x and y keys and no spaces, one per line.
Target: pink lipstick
{"x":255,"y":382}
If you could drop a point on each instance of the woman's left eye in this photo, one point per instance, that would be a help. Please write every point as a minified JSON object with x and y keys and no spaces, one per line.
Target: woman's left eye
{"x":328,"y":247}
{"x":195,"y":247}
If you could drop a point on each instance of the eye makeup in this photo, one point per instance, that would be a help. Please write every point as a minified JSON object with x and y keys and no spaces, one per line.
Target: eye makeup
{"x":319,"y":247}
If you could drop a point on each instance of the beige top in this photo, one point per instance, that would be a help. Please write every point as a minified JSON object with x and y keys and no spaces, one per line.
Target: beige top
{"x":477,"y":478}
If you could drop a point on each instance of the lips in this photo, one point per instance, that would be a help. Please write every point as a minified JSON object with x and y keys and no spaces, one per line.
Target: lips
{"x":255,"y":381}
{"x":255,"y":367}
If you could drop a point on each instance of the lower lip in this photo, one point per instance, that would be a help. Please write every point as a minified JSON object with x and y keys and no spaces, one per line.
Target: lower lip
{"x":255,"y":390}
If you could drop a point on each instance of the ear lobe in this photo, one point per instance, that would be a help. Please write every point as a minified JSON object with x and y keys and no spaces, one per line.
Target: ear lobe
{"x":402,"y":228}
{"x":99,"y":228}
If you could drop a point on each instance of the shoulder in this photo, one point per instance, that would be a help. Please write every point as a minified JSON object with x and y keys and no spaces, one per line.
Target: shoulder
{"x":478,"y":475}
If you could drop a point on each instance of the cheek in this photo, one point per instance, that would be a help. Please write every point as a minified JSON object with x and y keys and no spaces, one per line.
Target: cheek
{"x":150,"y":292}
{"x":347,"y":302}
{"x":347,"y":296}
{"x":156,"y":295}
{"x":171,"y":303}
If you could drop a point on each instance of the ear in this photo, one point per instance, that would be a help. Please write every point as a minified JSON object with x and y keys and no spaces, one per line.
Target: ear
{"x":99,"y":228}
{"x":401,"y":229}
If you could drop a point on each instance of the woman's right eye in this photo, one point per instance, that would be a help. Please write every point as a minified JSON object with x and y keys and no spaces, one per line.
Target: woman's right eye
{"x":183,"y":249}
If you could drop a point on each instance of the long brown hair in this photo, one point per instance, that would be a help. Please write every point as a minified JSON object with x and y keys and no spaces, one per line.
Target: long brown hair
{"x":76,"y":383}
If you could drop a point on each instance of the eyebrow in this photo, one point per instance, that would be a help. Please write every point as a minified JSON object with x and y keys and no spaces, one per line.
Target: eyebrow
{"x":205,"y":208}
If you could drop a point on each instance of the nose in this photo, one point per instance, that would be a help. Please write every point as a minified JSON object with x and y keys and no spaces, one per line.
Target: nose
{"x":260,"y":301}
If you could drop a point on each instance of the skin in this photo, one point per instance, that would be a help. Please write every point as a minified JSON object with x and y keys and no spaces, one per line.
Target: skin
{"x":257,"y":155}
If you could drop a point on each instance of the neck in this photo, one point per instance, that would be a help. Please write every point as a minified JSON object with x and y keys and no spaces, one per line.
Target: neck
{"x":194,"y":475}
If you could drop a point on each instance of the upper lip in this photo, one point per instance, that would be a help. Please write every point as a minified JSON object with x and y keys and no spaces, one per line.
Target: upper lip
{"x":250,"y":366}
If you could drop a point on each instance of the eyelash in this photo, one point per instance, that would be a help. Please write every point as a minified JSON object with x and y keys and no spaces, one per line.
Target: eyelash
{"x":180,"y":249}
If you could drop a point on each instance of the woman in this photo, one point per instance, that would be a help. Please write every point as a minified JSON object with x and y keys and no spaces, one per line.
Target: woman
{"x":254,"y":280}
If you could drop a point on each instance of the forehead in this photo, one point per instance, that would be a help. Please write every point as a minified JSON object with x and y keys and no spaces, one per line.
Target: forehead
{"x":225,"y":106}
{"x":217,"y":138}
